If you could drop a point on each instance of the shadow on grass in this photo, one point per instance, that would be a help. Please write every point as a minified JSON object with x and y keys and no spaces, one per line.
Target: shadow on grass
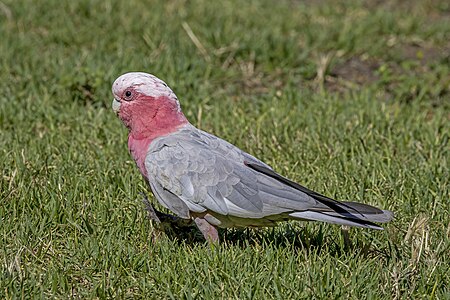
{"x":282,"y":236}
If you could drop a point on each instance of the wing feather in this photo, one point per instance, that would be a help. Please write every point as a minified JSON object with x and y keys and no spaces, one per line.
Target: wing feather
{"x":200,"y":169}
{"x":191,"y":170}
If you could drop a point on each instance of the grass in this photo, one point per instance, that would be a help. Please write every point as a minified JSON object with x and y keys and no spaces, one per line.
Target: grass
{"x":349,"y":98}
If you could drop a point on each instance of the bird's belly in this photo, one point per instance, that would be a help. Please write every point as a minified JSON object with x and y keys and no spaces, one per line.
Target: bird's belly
{"x":228,"y":221}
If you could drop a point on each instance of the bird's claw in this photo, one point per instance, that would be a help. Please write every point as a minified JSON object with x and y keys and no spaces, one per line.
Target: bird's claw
{"x":165,"y":221}
{"x":151,"y":212}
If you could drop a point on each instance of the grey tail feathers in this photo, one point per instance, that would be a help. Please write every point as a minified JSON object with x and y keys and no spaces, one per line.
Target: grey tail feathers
{"x":349,"y":219}
{"x":336,"y":212}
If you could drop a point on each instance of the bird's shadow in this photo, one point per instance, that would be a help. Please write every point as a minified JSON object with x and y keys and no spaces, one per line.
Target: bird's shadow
{"x":287,"y":236}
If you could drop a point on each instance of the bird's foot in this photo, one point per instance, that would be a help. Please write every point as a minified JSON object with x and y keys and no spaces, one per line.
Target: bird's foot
{"x":209,"y":231}
{"x":151,"y":212}
{"x":166,"y":223}
{"x":170,"y":224}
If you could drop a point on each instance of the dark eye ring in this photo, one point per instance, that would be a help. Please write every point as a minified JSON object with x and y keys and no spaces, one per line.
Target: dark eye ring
{"x":128,"y":94}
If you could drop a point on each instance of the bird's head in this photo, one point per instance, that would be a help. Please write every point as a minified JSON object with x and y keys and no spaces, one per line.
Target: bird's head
{"x":145,"y":104}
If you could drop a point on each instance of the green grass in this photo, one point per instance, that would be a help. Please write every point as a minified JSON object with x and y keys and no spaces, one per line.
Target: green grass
{"x":351,"y":99}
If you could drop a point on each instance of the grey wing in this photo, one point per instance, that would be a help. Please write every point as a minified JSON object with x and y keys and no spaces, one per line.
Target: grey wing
{"x":192,"y":171}
{"x":188,"y":175}
{"x":169,"y":200}
{"x":204,"y":172}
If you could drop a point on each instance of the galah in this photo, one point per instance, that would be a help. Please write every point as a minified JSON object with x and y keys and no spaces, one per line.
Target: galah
{"x":199,"y":176}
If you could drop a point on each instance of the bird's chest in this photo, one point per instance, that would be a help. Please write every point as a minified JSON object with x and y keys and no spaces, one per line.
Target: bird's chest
{"x":138,"y":150}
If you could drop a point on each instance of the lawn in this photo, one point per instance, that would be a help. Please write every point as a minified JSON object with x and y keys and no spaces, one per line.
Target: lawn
{"x":349,"y":98}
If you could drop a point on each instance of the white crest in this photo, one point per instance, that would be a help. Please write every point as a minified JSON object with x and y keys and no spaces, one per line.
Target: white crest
{"x":144,"y":83}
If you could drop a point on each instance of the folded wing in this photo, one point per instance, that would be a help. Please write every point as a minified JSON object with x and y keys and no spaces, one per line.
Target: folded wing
{"x":192,"y":171}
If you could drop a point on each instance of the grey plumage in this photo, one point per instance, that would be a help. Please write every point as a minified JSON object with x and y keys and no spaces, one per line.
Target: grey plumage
{"x":192,"y":172}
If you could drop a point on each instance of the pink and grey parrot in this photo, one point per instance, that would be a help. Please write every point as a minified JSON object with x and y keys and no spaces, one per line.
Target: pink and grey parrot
{"x":199,"y":176}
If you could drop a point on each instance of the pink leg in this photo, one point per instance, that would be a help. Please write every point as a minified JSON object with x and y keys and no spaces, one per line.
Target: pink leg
{"x":209,"y":231}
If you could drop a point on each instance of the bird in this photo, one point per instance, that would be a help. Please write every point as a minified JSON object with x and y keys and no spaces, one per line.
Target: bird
{"x":201,"y":177}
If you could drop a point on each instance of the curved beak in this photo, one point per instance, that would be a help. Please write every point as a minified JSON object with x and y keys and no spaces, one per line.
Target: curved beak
{"x":116,"y":106}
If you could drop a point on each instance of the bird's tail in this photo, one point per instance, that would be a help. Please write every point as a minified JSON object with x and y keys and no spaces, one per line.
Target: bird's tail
{"x":348,"y":213}
{"x":330,"y":210}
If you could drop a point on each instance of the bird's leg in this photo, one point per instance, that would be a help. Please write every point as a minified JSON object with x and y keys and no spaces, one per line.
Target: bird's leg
{"x":173,"y":224}
{"x":151,"y":213}
{"x":162,"y":219}
{"x":209,"y":231}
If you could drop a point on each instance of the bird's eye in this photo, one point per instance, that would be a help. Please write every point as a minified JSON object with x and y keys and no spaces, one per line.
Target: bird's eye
{"x":128,"y":95}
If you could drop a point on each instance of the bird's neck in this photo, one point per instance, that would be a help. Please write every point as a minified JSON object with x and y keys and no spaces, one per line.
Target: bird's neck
{"x":150,"y":123}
